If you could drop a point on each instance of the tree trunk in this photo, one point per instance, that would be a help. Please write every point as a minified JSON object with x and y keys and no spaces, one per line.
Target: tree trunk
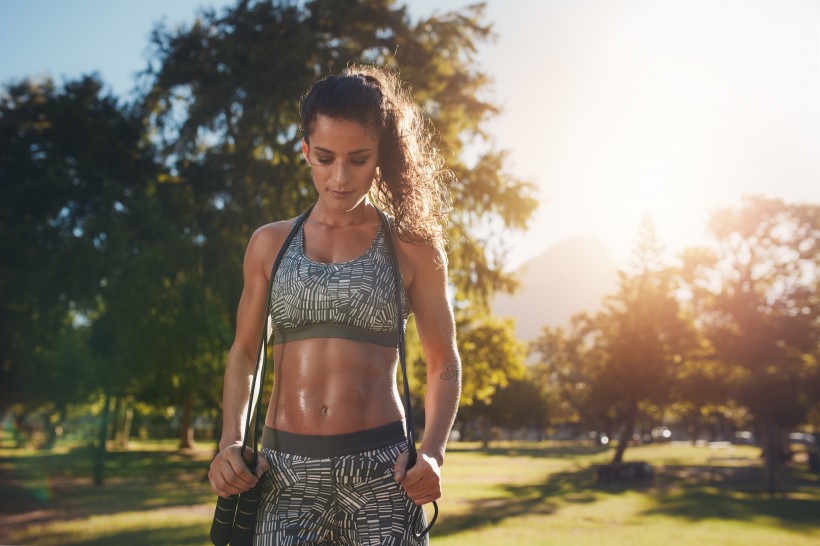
{"x":99,"y":464}
{"x":463,"y":430}
{"x":693,"y":427}
{"x":485,"y":432}
{"x":21,"y":430}
{"x":123,"y":434}
{"x":626,"y":434}
{"x":186,"y":429}
{"x":53,"y":428}
{"x":773,"y":457}
{"x":116,"y":419}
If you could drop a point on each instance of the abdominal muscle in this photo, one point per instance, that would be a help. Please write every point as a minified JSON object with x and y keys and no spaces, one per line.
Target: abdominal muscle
{"x":333,"y":386}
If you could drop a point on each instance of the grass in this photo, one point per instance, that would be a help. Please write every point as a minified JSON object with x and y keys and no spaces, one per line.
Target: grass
{"x":514,"y":493}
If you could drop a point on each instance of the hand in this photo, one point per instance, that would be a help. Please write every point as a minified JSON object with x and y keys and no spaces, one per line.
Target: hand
{"x":422,"y":482}
{"x":229,"y":472}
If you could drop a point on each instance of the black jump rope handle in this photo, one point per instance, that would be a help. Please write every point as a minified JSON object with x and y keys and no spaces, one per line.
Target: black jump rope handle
{"x":235,"y":518}
{"x":222,"y":524}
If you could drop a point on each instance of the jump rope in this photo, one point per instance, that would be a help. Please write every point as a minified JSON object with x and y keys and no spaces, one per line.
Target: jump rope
{"x":235,"y":516}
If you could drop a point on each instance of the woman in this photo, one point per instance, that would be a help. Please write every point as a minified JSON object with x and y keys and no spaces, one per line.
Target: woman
{"x":335,"y":457}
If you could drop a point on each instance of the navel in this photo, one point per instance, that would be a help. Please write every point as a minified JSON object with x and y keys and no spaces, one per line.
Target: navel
{"x":324,"y":410}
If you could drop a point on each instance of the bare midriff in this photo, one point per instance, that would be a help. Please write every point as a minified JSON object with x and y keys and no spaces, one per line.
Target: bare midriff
{"x":326,"y":386}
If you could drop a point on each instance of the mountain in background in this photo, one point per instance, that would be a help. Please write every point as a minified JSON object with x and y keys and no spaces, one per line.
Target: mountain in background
{"x":571,"y":276}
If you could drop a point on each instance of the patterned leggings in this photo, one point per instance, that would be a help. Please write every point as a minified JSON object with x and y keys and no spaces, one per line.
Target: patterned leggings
{"x":317,"y":497}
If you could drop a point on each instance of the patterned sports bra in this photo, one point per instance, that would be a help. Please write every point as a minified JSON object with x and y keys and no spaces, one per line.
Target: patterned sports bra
{"x":351,"y":300}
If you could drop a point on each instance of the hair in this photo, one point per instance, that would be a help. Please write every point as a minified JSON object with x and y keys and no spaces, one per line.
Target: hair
{"x":411,"y":183}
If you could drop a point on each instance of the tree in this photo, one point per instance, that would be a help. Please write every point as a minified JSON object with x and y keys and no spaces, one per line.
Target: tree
{"x":621,"y":363}
{"x":223,"y":96}
{"x":493,"y":357}
{"x":493,"y":354}
{"x":520,"y":404}
{"x":227,"y":109}
{"x":757,"y":288}
{"x":565,"y":370}
{"x":71,"y":160}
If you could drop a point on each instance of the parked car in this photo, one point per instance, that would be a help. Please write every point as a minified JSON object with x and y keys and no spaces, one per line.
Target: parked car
{"x":744,"y":437}
{"x":803,"y":438}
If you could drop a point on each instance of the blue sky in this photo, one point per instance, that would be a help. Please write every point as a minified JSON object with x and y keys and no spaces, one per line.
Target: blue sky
{"x":68,"y":38}
{"x":73,"y":37}
{"x":613,"y":108}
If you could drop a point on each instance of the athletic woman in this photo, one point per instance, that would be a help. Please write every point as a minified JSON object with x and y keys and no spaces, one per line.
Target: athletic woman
{"x":334,"y":469}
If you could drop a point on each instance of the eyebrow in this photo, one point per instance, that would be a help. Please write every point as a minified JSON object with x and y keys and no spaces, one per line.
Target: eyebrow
{"x":354,"y":152}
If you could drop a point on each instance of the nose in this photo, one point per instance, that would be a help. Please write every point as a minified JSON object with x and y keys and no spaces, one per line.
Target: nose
{"x":340,"y":175}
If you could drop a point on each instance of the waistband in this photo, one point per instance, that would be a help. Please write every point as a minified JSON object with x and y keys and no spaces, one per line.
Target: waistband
{"x":333,"y":445}
{"x":344,"y":331}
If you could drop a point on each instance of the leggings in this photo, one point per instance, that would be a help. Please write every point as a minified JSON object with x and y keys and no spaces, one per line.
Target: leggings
{"x":335,"y":490}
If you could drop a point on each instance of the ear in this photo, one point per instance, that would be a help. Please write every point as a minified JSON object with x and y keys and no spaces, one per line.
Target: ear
{"x":306,"y":151}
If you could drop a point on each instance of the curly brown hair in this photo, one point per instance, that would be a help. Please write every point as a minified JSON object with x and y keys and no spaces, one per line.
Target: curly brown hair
{"x":411,"y":182}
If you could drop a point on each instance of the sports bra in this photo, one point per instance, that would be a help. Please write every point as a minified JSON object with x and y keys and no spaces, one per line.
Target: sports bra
{"x":350,"y":300}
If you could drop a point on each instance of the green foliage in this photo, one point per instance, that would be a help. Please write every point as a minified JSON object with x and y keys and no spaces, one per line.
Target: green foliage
{"x":225,"y":95}
{"x":758,"y":295}
{"x":492,"y":356}
{"x":71,"y":157}
{"x":562,"y":371}
{"x":520,"y":404}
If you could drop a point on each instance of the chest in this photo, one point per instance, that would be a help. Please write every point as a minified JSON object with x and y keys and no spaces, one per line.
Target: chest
{"x":322,"y":244}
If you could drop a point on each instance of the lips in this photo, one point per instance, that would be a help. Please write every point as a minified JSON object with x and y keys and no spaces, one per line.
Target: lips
{"x":340,"y":194}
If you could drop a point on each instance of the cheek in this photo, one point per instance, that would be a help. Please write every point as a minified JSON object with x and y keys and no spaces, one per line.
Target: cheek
{"x":373,"y":171}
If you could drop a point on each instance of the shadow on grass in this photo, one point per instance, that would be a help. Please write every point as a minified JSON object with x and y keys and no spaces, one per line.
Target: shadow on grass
{"x":799,"y":514}
{"x":527,"y":499}
{"x":134,"y":480}
{"x":552,"y":451}
{"x":182,"y":535}
{"x":699,"y":493}
{"x":689,"y":492}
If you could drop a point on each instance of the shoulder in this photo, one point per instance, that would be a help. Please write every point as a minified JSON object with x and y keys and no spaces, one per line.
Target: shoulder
{"x":415,"y":249}
{"x":270,"y":233}
{"x":266,"y":241}
{"x":423,"y":263}
{"x":421,"y":252}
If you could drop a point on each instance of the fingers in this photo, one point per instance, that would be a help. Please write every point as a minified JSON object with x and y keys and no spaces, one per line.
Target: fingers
{"x":228,"y":473}
{"x":422,"y":482}
{"x":422,"y":487}
{"x":400,"y":468}
{"x":262,"y":466}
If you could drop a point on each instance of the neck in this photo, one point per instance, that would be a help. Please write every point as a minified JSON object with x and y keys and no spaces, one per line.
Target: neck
{"x":362,"y":213}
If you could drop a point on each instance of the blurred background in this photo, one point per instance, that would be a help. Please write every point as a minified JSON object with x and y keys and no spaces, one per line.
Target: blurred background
{"x":633,"y":252}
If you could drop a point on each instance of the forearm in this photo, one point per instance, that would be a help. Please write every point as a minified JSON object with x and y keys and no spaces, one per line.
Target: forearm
{"x":235,"y":394}
{"x":440,"y":407}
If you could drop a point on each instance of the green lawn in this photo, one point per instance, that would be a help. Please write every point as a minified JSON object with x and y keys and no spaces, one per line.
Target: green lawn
{"x":534,"y":494}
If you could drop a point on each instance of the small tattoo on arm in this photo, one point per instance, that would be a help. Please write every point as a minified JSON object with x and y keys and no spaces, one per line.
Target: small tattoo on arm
{"x":449,"y":373}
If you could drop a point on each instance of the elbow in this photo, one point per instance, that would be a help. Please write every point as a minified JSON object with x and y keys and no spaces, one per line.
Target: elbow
{"x":239,"y":361}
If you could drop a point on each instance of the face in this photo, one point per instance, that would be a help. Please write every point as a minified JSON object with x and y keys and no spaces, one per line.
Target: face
{"x":343,"y":156}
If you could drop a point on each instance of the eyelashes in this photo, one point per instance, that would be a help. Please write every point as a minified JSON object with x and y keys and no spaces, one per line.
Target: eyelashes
{"x":329,"y":161}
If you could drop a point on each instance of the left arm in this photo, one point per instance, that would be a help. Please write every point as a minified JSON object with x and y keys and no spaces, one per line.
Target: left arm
{"x":436,"y":328}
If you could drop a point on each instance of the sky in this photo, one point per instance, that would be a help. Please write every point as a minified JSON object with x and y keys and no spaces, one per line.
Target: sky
{"x":614,"y":109}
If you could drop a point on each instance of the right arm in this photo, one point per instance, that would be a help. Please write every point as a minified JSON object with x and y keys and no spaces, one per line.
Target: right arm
{"x":228,"y":473}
